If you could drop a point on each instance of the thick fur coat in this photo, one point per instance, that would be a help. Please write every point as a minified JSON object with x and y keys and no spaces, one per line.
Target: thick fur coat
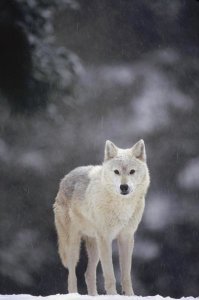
{"x":100,"y":204}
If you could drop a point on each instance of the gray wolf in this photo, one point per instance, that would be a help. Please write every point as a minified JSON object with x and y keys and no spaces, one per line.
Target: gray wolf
{"x":99,"y":204}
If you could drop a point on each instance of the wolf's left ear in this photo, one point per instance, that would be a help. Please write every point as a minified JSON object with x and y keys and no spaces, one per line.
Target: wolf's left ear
{"x":110,"y":150}
{"x":138,"y":150}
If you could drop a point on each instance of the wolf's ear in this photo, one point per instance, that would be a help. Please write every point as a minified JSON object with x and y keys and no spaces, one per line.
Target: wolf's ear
{"x":138,"y":150}
{"x":110,"y":150}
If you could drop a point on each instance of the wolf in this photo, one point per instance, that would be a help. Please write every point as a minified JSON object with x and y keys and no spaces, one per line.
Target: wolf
{"x":99,"y":204}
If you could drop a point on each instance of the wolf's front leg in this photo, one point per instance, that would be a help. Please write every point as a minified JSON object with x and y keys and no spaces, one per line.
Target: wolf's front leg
{"x":125,"y":245}
{"x":105,"y":253}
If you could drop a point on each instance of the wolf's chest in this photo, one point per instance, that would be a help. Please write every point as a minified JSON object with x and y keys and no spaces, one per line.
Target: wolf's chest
{"x":112,"y":217}
{"x":120,"y":215}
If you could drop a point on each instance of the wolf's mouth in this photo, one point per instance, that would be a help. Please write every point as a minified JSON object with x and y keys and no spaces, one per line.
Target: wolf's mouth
{"x":124,"y":193}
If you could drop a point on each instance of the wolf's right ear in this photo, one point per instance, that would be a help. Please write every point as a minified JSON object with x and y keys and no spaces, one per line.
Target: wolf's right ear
{"x":110,"y":150}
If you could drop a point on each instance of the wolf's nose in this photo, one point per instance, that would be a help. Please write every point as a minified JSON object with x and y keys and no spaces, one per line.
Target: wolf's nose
{"x":124,"y":188}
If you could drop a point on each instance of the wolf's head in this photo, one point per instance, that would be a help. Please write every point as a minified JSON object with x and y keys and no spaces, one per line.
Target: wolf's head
{"x":125,"y":171}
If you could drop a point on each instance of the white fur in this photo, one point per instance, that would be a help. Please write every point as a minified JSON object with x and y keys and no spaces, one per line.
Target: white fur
{"x":89,"y":205}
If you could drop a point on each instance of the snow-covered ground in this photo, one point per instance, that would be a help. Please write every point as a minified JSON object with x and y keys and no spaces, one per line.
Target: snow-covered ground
{"x":85,"y":297}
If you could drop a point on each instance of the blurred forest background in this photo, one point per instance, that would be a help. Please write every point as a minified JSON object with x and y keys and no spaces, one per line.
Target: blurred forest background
{"x":73,"y":74}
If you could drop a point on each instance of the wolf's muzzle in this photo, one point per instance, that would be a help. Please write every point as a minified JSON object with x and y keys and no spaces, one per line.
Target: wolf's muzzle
{"x":124,"y":189}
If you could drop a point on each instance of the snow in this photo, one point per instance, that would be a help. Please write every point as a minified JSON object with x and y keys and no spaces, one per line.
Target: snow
{"x":86,"y":297}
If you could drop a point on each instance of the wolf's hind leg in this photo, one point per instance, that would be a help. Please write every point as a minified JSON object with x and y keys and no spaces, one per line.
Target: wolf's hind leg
{"x":73,"y":258}
{"x":93,"y":259}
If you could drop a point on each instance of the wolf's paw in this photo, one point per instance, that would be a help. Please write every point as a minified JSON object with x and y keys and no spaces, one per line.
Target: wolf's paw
{"x":128,"y":292}
{"x":110,"y":287}
{"x":114,"y":292}
{"x":111,"y":291}
{"x":92,"y":293}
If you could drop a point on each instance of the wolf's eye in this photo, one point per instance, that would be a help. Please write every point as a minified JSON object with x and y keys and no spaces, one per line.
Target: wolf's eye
{"x":132,"y":171}
{"x":117,"y":172}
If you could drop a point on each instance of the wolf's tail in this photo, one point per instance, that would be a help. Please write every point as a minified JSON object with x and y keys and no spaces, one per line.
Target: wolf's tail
{"x":61,"y":224}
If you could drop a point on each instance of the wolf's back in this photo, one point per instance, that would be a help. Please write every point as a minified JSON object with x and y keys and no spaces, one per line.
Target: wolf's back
{"x":75,"y":183}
